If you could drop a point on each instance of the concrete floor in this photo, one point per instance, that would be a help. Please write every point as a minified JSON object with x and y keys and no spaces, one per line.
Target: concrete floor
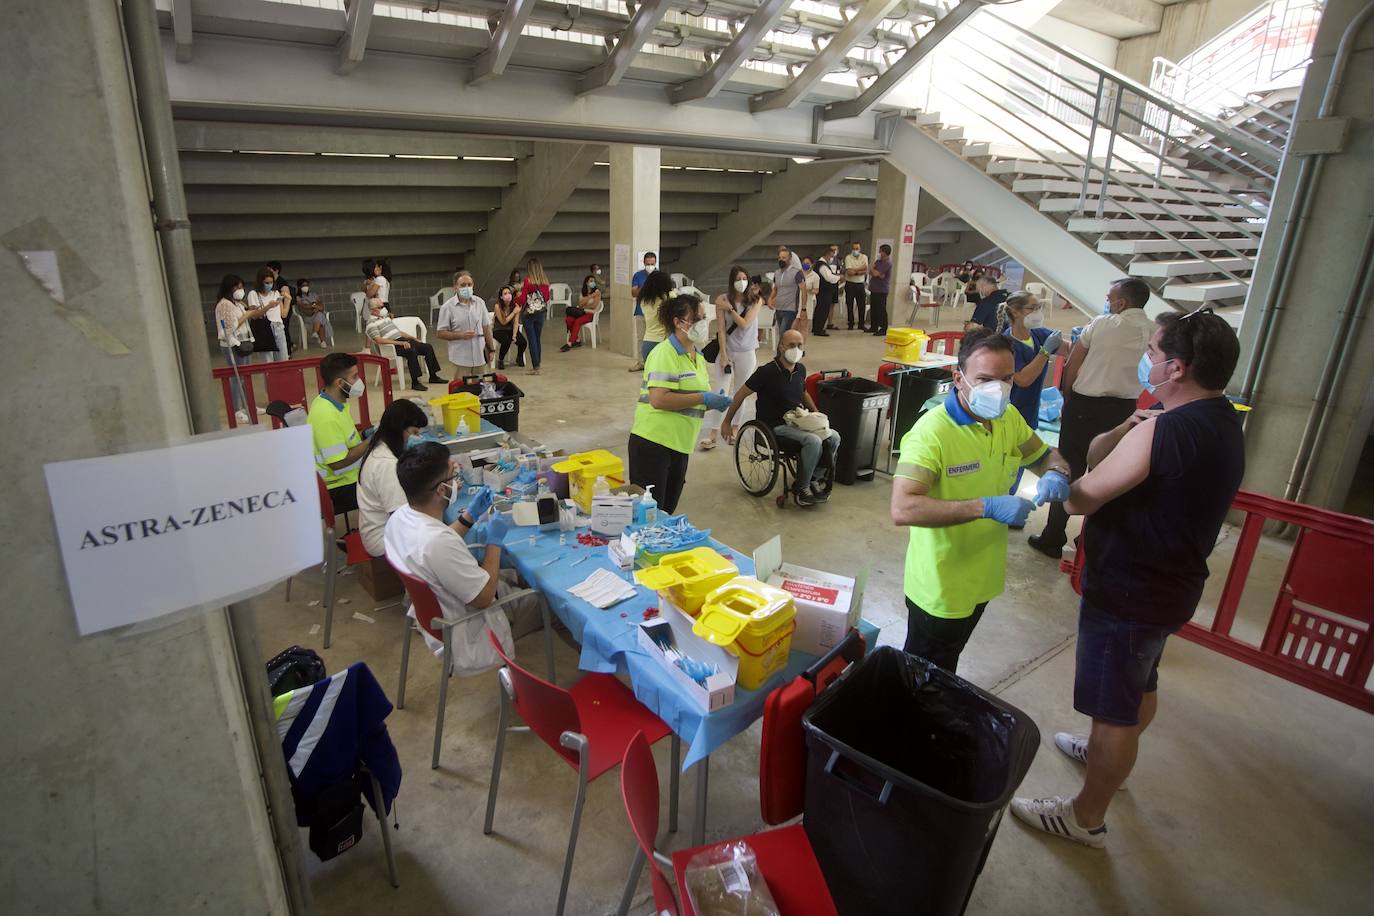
{"x":1251,"y":794}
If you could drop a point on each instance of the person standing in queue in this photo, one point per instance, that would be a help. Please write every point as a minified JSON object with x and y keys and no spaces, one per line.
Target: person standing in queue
{"x":1100,"y":389}
{"x":828,"y":273}
{"x":951,"y":488}
{"x":637,"y":284}
{"x":673,"y":399}
{"x":879,"y":284}
{"x":1157,"y":494}
{"x":533,"y":299}
{"x":787,"y":284}
{"x":855,"y":270}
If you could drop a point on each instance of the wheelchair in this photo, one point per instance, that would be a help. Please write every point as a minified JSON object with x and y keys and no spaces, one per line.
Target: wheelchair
{"x":760,"y":458}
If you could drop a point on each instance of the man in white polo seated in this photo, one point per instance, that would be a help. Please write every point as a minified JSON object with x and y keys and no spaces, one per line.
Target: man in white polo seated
{"x":419,"y":543}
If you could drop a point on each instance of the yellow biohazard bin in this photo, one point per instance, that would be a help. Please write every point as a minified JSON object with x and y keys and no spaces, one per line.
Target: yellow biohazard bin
{"x":455,"y":407}
{"x":753,"y":620}
{"x":906,"y":345}
{"x":686,"y":578}
{"x":583,"y":469}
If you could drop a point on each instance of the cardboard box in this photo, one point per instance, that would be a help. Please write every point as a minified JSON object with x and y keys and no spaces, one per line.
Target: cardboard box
{"x":379,"y":580}
{"x":674,"y":628}
{"x":611,"y":513}
{"x":828,"y":604}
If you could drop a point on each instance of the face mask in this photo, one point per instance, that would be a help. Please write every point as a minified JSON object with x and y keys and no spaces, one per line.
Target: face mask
{"x":1107,"y":307}
{"x":267,"y":286}
{"x":989,"y":400}
{"x":793,"y":354}
{"x":356,"y":389}
{"x":305,"y":289}
{"x":700,"y":332}
{"x":806,"y":267}
{"x":597,"y":272}
{"x":465,"y":292}
{"x":741,"y":285}
{"x":1035,"y":319}
{"x":591,"y":285}
{"x":650,"y":268}
{"x":505,"y":297}
{"x":782,"y":262}
{"x":1142,"y":372}
{"x":238,"y":294}
{"x":856,"y":251}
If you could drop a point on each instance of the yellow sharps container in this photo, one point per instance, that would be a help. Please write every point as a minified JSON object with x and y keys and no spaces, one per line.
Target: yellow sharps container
{"x":686,"y":578}
{"x":753,"y":620}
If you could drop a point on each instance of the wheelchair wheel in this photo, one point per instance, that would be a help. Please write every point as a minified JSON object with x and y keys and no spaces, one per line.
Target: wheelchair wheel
{"x":756,"y":458}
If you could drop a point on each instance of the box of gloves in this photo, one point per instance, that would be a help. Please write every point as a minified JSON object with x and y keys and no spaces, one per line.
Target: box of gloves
{"x":828,"y":604}
{"x":707,"y":672}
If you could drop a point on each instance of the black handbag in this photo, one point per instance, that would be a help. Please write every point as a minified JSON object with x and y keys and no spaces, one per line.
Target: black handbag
{"x":574,"y":311}
{"x":336,"y":821}
{"x":243,"y":348}
{"x":711,"y":351}
{"x":295,"y":668}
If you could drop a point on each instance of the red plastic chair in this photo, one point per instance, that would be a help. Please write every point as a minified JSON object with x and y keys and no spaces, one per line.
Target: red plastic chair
{"x":785,"y":857}
{"x":589,"y":727}
{"x":429,"y":616}
{"x":945,"y":342}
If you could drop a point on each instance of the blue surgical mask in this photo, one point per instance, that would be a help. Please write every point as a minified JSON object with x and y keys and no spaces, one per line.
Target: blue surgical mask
{"x":267,"y":286}
{"x":1107,"y":307}
{"x":1142,"y":372}
{"x":990,"y":399}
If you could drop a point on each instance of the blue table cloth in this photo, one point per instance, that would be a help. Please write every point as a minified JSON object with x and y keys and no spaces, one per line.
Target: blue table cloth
{"x":610,"y":641}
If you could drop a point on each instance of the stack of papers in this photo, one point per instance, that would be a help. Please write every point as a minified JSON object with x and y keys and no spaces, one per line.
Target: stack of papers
{"x":603,"y":588}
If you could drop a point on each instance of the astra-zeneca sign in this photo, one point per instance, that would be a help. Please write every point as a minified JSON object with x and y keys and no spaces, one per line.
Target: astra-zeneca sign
{"x":148,"y":533}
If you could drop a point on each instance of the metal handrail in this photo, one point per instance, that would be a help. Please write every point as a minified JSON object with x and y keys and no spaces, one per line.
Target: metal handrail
{"x":1242,"y":58}
{"x":1162,"y":65}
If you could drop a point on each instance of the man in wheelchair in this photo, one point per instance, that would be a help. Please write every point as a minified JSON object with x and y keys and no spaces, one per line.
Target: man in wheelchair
{"x":781,"y":387}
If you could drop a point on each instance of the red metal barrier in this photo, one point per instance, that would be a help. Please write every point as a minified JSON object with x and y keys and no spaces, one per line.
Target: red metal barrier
{"x":284,"y":380}
{"x":1319,"y":632}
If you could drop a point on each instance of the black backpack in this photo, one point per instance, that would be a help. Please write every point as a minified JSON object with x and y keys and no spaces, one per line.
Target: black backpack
{"x":295,"y":668}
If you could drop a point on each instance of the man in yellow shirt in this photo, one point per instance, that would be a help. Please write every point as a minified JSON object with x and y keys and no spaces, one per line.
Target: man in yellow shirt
{"x":338,"y":447}
{"x":952,"y":488}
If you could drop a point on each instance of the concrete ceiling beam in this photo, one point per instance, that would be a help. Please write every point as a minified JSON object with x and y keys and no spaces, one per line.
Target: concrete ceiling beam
{"x":334,"y":171}
{"x":256,"y":251}
{"x":700,"y":159}
{"x":218,"y":136}
{"x":274,"y":224}
{"x":1120,"y":19}
{"x":782,"y":196}
{"x":544,"y":182}
{"x":860,"y":24}
{"x":671,"y":180}
{"x":492,"y":62}
{"x":610,"y":71}
{"x":889,"y":78}
{"x":732,"y":56}
{"x":210,"y":199}
{"x":353,"y":43}
{"x":182,"y":30}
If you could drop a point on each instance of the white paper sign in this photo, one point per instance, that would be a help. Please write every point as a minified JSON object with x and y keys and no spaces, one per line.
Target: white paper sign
{"x":149,"y":533}
{"x":622,"y":265}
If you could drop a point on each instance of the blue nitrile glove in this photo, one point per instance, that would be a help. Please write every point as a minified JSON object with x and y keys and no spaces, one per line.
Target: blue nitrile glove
{"x":480,"y":502}
{"x":490,"y":530}
{"x":1009,"y":510}
{"x":714,"y":400}
{"x":451,"y":513}
{"x":1052,"y":343}
{"x":1053,"y":488}
{"x":368,"y":433}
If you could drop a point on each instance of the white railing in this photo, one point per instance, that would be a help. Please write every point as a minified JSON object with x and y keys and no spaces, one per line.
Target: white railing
{"x":1265,"y":50}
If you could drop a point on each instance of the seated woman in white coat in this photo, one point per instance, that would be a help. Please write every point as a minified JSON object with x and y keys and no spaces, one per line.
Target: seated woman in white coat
{"x":420,"y":544}
{"x":379,"y":490}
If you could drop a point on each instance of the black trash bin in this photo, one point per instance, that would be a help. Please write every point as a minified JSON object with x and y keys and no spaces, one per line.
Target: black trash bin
{"x":856,"y":407}
{"x":913,"y":387}
{"x":909,"y":770}
{"x":504,"y":409}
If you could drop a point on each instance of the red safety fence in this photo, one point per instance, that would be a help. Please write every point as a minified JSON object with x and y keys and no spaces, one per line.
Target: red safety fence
{"x":284,"y":380}
{"x":1318,"y":633}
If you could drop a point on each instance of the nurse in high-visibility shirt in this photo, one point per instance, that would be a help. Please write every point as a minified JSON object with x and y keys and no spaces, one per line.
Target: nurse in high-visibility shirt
{"x":956,"y":466}
{"x":673,"y":398}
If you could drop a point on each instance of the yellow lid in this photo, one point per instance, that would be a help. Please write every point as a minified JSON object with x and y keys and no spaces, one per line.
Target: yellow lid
{"x":743,"y":604}
{"x":719,"y":626}
{"x":596,"y":461}
{"x":684,"y":567}
{"x":461,"y":399}
{"x":904,"y":336}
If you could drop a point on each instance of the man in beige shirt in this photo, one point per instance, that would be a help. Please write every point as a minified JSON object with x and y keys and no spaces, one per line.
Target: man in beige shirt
{"x":855,"y":270}
{"x":1100,"y":389}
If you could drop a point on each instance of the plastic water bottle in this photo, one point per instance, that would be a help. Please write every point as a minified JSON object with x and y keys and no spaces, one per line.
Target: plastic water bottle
{"x":601,"y":487}
{"x":463,"y":426}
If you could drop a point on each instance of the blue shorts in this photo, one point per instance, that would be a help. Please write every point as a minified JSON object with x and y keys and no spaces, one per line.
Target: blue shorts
{"x":1117,"y":664}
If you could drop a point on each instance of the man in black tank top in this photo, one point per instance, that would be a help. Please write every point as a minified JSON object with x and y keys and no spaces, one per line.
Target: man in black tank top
{"x":1156,"y":496}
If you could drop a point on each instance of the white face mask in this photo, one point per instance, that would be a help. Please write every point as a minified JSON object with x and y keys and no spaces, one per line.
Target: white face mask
{"x":465,"y":292}
{"x":357,"y":388}
{"x":650,"y":268}
{"x":1035,"y":319}
{"x":793,"y":354}
{"x":238,"y":294}
{"x":741,"y":285}
{"x":305,"y":289}
{"x":990,"y":399}
{"x":700,"y":332}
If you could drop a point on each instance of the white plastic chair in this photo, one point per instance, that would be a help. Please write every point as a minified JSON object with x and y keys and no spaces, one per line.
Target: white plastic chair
{"x":590,"y":327}
{"x":437,"y":301}
{"x":560,"y":294}
{"x":359,"y":301}
{"x":681,"y":281}
{"x":302,"y":336}
{"x":406,"y":325}
{"x":1041,"y":292}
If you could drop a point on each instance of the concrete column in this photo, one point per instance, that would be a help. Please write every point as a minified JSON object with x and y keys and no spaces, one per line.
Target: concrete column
{"x":131,"y":783}
{"x":894,"y":217}
{"x":1313,"y":314}
{"x":634,"y":230}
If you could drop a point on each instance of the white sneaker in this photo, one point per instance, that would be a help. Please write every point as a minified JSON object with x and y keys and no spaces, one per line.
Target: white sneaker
{"x":1074,"y":746}
{"x":1055,"y":816}
{"x":240,"y":416}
